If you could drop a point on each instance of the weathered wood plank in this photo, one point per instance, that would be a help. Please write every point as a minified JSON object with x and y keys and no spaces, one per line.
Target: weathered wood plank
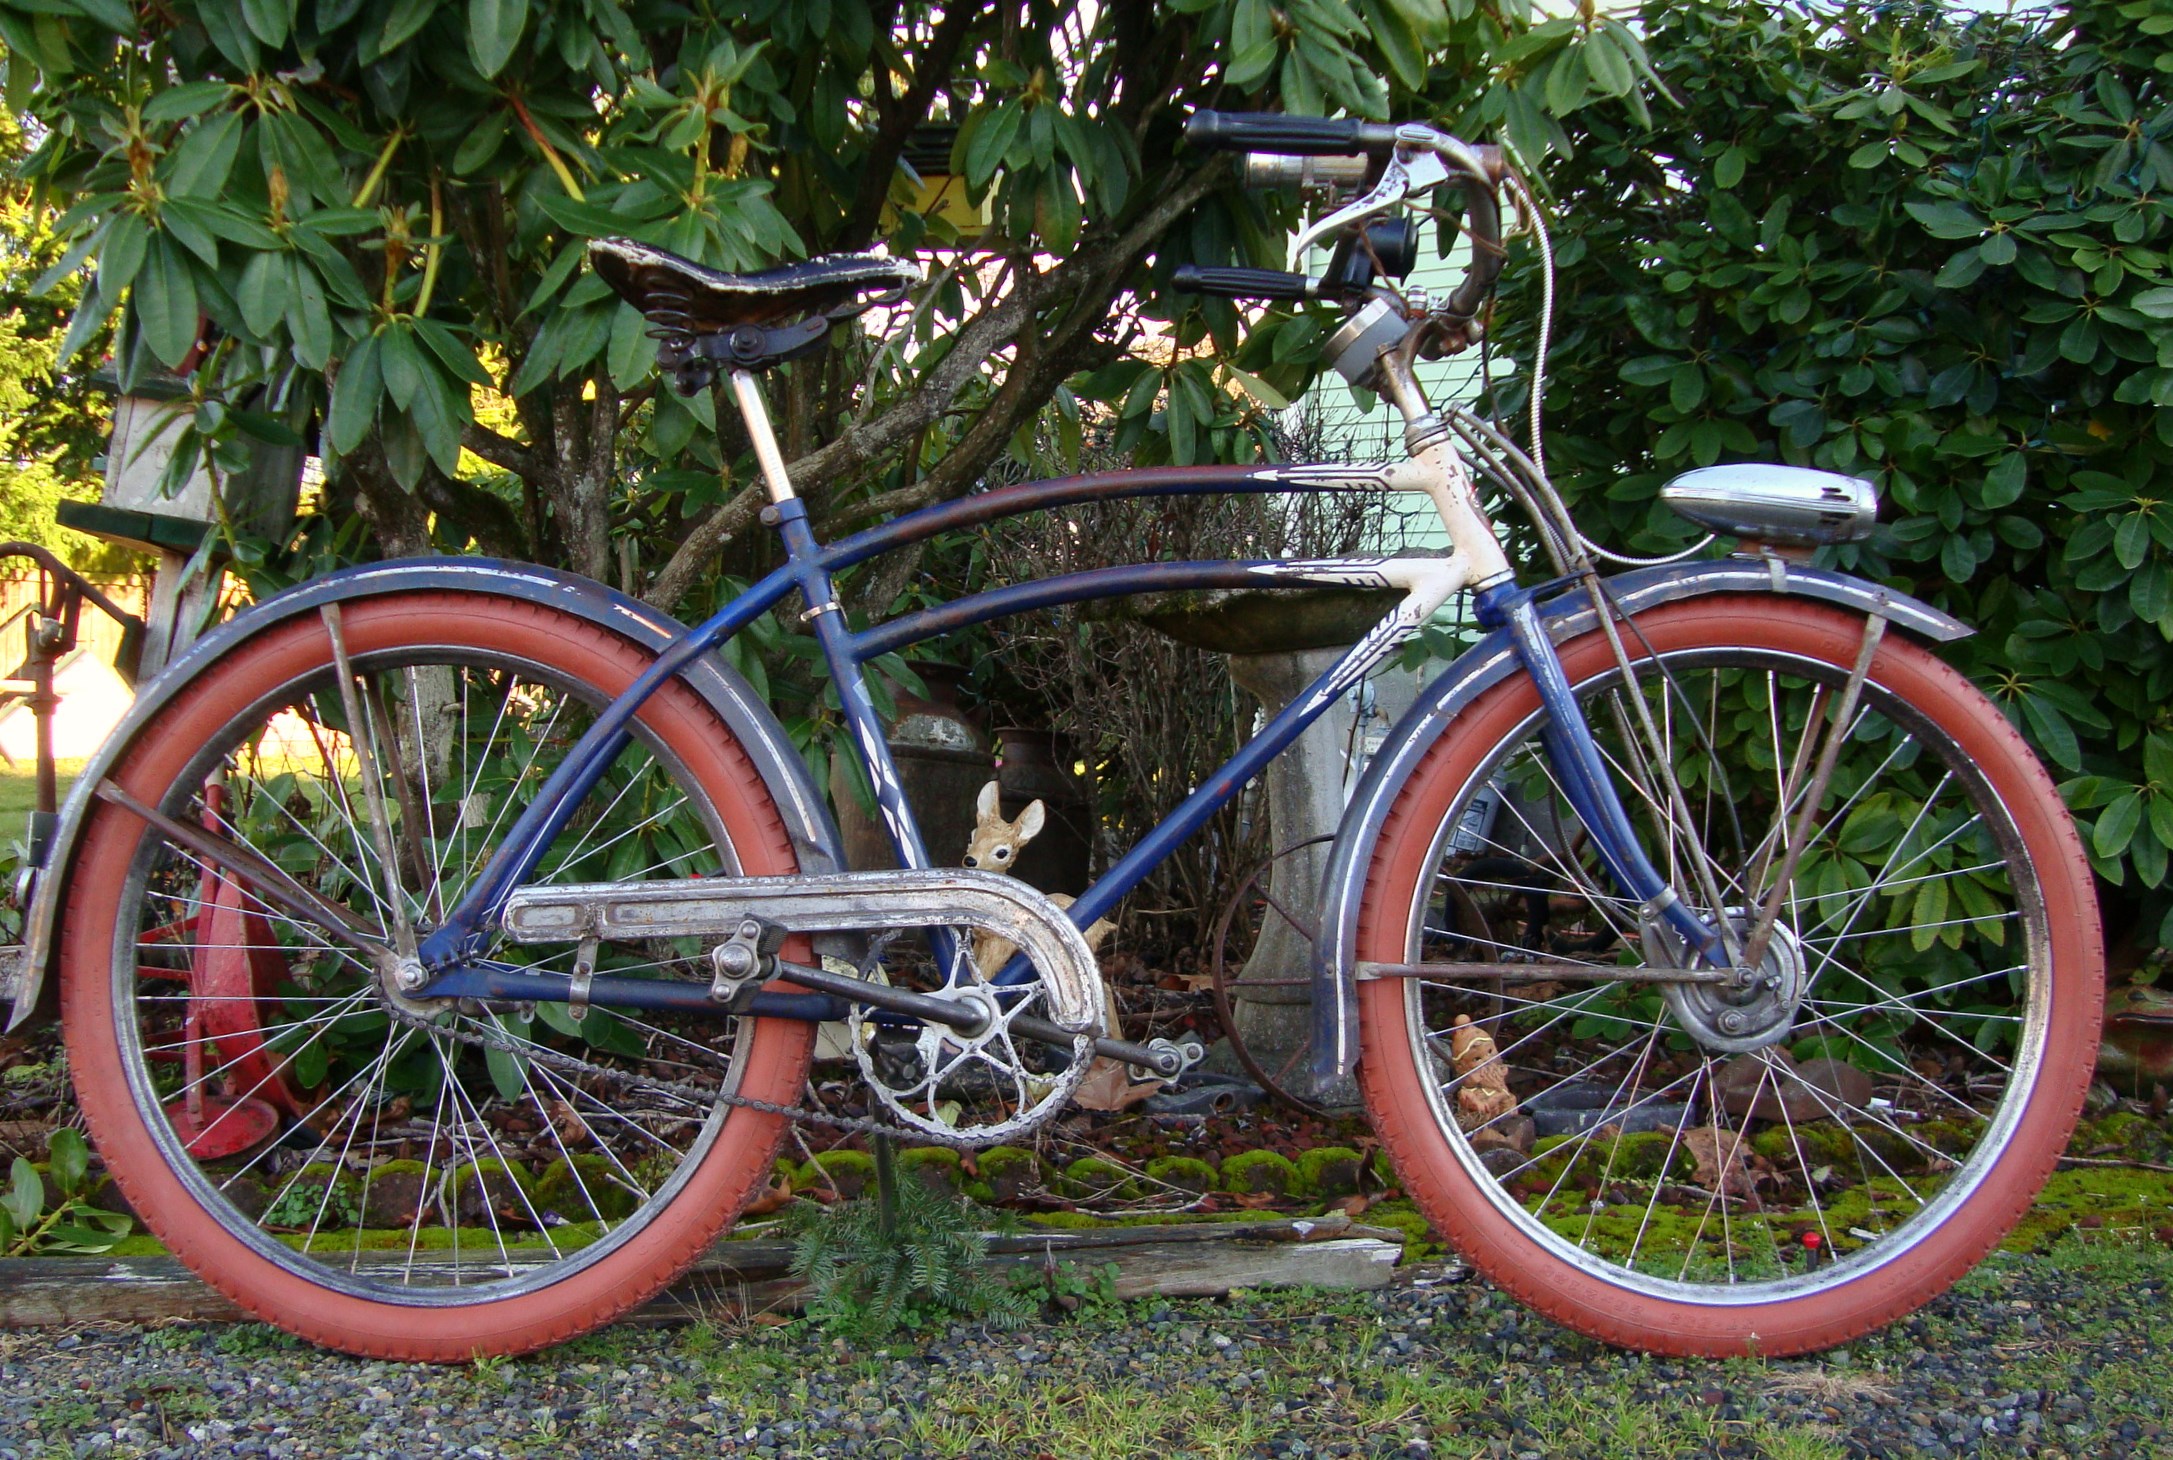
{"x":751,"y":1277}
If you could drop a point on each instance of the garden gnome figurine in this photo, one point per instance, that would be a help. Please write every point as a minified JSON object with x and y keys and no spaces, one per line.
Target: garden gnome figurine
{"x":1484,"y":1095}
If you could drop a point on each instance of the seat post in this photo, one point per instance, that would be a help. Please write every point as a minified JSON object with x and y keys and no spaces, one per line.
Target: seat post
{"x":757,"y":416}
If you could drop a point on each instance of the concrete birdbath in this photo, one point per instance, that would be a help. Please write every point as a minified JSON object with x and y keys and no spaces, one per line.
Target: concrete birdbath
{"x":1278,"y":642}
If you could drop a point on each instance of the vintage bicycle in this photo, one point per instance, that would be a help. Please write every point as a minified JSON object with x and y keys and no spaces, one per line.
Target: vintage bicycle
{"x":441,"y":944}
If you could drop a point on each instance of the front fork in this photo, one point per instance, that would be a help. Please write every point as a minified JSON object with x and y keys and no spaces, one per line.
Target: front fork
{"x":1499,"y":603}
{"x":1575,"y":757}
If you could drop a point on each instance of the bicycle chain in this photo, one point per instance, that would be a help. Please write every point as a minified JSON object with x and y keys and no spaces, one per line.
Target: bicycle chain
{"x":697,"y":1094}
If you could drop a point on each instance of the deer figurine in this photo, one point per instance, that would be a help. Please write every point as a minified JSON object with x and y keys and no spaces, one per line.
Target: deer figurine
{"x":994,"y":847}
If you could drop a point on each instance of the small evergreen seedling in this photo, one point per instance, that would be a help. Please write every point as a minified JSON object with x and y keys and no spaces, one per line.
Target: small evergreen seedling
{"x":910,"y":1258}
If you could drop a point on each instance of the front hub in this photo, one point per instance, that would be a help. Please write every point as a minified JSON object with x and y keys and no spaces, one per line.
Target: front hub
{"x":1757,"y":1009}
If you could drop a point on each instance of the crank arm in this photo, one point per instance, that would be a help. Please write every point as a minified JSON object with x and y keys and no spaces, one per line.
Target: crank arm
{"x":1543,"y":973}
{"x":964,"y":1018}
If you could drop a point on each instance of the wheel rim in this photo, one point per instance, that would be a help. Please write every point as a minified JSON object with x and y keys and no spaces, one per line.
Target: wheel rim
{"x":1791,"y":1155}
{"x":529,"y":1172}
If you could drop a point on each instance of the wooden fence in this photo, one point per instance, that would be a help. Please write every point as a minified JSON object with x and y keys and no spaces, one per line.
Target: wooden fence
{"x":96,"y":632}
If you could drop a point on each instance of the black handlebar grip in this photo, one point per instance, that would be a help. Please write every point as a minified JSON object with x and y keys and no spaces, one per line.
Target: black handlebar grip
{"x":1295,"y":136}
{"x":1241,"y":283}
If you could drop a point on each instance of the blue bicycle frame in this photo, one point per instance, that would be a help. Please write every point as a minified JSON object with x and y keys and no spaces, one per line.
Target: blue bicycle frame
{"x":452,"y":951}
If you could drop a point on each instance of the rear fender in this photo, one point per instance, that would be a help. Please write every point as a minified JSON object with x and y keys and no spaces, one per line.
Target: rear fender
{"x":806,"y":814}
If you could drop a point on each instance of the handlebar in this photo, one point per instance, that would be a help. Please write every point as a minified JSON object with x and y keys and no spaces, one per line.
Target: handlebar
{"x":1242,"y":283}
{"x":1297,"y":136}
{"x":1394,"y":162}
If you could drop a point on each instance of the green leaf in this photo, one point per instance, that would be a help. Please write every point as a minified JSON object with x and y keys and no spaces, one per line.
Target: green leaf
{"x":354,"y":396}
{"x":1728,"y":168}
{"x":1998,"y":250}
{"x":72,"y":1237}
{"x":1961,"y":270}
{"x":481,"y":144}
{"x":68,"y":1160}
{"x":267,"y":20}
{"x":117,"y":16}
{"x":165,"y":299}
{"x":1946,"y":219}
{"x":404,"y":19}
{"x":2052,"y":733}
{"x":1258,"y":389}
{"x":203,"y":161}
{"x":1568,"y":81}
{"x":223,"y":23}
{"x":179,"y":103}
{"x":449,"y":348}
{"x":1929,"y":909}
{"x":1253,"y":47}
{"x":2157,"y":303}
{"x":308,"y":320}
{"x":1613,"y":75}
{"x":991,"y":140}
{"x":631,"y":354}
{"x":190,"y":233}
{"x":2005,"y":481}
{"x":1870,"y":155}
{"x":1400,"y":45}
{"x":2116,"y":826}
{"x":554,"y":1013}
{"x":121,"y":255}
{"x":2131,"y":540}
{"x":264,"y":294}
{"x":401,"y":364}
{"x":1651,"y":370}
{"x":1686,"y":388}
{"x":25,"y":1197}
{"x":494,"y":32}
{"x":508,"y":1068}
{"x":311,"y":1062}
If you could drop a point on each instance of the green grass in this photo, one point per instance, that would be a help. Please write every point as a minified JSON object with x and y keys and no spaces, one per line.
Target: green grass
{"x":19,"y":792}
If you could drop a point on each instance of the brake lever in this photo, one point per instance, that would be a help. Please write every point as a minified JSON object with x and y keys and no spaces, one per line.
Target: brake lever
{"x":1411,"y":168}
{"x":1416,"y":166}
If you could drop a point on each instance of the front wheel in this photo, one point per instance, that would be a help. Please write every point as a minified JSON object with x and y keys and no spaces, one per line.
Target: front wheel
{"x":1717,"y":1171}
{"x":393,"y":1177}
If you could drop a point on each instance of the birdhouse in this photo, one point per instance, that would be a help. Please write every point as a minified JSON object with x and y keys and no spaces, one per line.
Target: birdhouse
{"x":148,"y":425}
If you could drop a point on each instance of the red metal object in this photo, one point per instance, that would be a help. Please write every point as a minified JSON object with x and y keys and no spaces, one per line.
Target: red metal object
{"x":234,"y":975}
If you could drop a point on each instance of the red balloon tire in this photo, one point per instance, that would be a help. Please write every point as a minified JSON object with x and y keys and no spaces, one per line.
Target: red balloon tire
{"x":734,"y":1169}
{"x":1394,"y":1085}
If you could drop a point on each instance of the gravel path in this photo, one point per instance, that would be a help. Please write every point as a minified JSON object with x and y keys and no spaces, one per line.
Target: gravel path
{"x":2048,"y":1357}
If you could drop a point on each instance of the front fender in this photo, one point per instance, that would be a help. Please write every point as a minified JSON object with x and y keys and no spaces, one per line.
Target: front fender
{"x":806,"y":814}
{"x":1487,"y":663}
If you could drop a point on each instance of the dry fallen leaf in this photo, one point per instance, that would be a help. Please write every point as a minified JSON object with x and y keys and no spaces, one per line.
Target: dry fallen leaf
{"x":1720,"y":1161}
{"x":567,"y":1121}
{"x":1107,"y":1086}
{"x":777,"y":1195}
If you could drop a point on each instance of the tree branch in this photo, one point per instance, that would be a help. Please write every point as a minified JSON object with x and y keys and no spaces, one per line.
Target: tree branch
{"x":880,"y":164}
{"x":1088,"y":279}
{"x":703,"y":543}
{"x":475,"y":514}
{"x":499,"y":450}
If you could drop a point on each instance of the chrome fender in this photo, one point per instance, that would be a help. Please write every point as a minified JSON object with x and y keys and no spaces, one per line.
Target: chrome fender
{"x":806,"y":814}
{"x":1487,"y":663}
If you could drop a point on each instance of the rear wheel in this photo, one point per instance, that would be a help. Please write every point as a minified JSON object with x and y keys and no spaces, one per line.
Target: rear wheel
{"x":413,"y":1180}
{"x":1702,"y":1171}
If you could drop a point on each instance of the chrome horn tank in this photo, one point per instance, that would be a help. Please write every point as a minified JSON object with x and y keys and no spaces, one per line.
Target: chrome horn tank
{"x":1789,"y":506}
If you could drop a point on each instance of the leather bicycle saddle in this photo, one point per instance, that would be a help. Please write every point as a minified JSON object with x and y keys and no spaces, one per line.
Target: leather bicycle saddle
{"x":703,"y":301}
